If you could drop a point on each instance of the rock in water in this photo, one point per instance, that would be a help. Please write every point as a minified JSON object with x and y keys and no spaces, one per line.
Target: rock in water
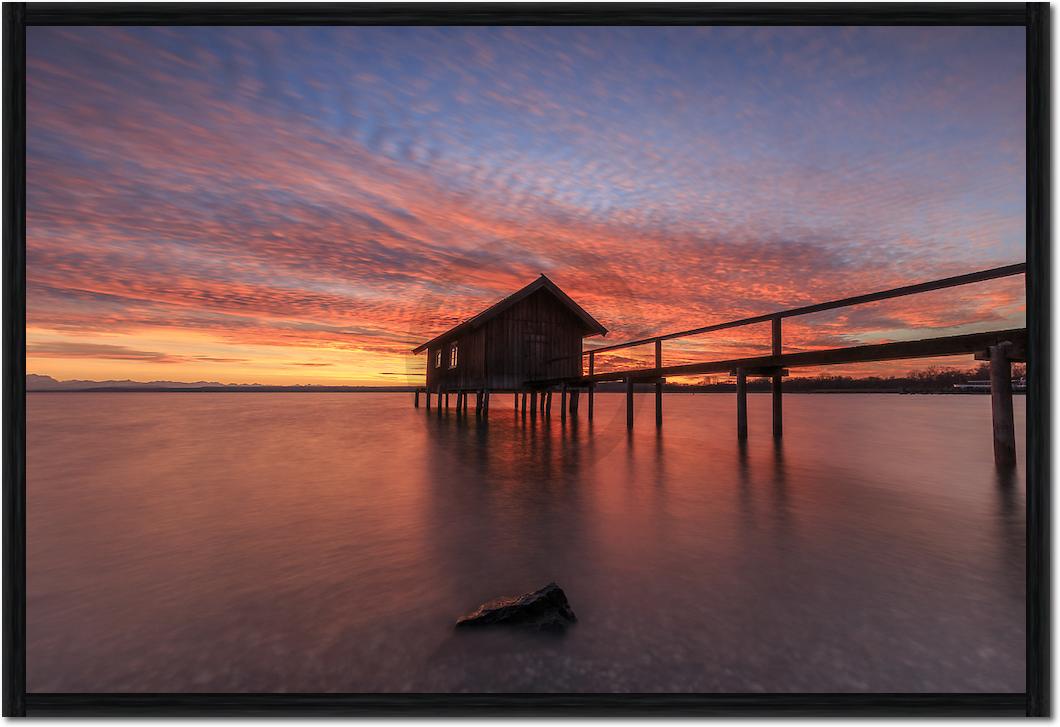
{"x":545,"y":609}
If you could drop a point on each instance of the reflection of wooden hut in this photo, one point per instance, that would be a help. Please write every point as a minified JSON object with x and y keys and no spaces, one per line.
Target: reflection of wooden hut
{"x":534,"y":334}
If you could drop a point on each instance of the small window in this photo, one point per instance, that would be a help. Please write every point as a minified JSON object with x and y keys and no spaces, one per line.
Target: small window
{"x":438,"y":359}
{"x":453,"y":356}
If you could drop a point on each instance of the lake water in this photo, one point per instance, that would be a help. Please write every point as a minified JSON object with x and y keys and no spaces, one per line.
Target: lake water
{"x":327,"y":542}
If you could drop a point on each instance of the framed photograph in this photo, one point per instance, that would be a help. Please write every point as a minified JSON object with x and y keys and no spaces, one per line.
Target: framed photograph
{"x":525,"y":359}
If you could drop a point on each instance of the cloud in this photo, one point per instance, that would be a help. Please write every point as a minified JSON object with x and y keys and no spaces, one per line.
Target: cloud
{"x":62,"y":349}
{"x":358,"y":190}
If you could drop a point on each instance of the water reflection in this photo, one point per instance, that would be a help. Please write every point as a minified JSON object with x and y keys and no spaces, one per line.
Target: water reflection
{"x":251,"y":542}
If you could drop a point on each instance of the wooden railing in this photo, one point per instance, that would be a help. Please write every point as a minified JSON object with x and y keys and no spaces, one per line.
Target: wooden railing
{"x":776,"y":317}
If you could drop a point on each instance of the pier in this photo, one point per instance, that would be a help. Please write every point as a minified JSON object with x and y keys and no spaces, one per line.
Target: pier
{"x":1000,"y":347}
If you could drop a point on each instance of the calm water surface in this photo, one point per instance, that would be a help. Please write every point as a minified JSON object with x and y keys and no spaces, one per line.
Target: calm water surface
{"x":327,"y":542}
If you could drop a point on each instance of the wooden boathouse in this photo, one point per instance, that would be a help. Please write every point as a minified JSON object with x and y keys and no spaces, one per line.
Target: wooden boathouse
{"x":535,"y":334}
{"x":531,"y":343}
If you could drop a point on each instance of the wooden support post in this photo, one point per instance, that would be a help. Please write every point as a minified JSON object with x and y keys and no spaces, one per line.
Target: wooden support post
{"x":658,"y":402}
{"x":548,"y":404}
{"x":486,"y":402}
{"x":574,"y":395}
{"x":515,"y":404}
{"x":741,"y":404}
{"x":778,"y":405}
{"x":1001,"y":405}
{"x":629,"y":402}
{"x":658,"y":385}
{"x":592,"y":390}
{"x":427,"y":392}
{"x":533,"y":403}
{"x":563,"y":403}
{"x":478,"y":403}
{"x":447,"y":400}
{"x":416,"y":400}
{"x":777,"y":344}
{"x":522,"y":406}
{"x":542,"y":402}
{"x":592,"y":357}
{"x":439,"y":401}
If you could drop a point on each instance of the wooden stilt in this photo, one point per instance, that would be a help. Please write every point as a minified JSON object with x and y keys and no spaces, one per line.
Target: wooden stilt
{"x":447,"y":400}
{"x":629,"y":403}
{"x":1001,"y":405}
{"x":486,"y":402}
{"x":533,"y":403}
{"x":741,"y":404}
{"x":563,"y":403}
{"x":658,"y":402}
{"x":522,"y":407}
{"x":515,"y":404}
{"x":542,"y":402}
{"x":427,"y":393}
{"x":778,"y":405}
{"x":592,"y":390}
{"x":574,"y":396}
{"x":548,"y":404}
{"x":478,"y":403}
{"x":416,"y":400}
{"x":439,"y":401}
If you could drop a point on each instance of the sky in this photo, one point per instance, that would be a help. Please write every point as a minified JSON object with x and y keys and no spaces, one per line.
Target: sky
{"x":305,"y":205}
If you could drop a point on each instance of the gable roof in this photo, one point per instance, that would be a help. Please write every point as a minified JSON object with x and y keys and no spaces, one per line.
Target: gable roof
{"x":592,"y":326}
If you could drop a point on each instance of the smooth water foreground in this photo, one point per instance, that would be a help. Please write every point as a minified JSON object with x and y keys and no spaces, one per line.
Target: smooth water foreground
{"x":326,"y":542}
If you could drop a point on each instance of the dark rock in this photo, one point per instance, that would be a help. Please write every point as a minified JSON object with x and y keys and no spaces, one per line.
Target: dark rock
{"x":545,"y":609}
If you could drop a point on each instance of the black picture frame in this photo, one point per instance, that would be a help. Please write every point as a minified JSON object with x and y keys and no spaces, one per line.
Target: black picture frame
{"x":1035,"y":701}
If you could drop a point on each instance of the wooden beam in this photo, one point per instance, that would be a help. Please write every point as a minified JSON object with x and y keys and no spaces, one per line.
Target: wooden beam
{"x":898,"y":350}
{"x":1001,"y":406}
{"x":741,"y":405}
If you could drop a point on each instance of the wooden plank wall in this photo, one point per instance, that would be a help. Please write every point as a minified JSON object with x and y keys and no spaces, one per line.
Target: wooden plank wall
{"x":537,"y":338}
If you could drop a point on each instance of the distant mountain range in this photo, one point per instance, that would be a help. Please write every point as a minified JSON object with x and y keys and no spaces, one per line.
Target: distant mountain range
{"x":37,"y":382}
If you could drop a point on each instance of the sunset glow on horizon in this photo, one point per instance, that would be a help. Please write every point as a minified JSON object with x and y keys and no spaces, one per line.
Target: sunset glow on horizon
{"x":306,"y":205}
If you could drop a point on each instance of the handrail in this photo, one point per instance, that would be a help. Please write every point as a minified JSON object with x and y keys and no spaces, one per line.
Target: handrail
{"x":940,"y":284}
